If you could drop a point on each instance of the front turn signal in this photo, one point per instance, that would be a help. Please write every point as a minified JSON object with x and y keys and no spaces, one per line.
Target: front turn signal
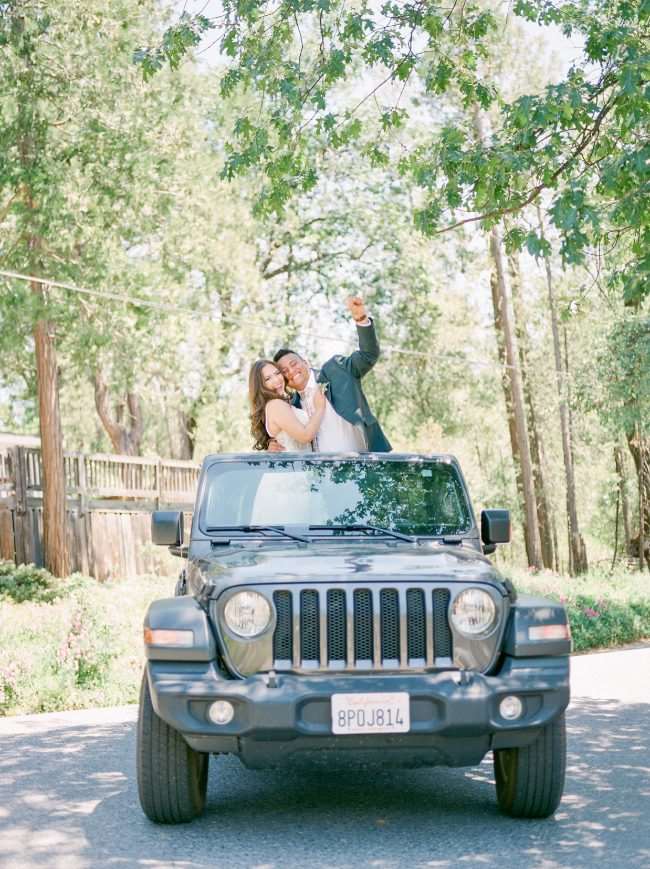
{"x":549,"y":632}
{"x":161,"y":637}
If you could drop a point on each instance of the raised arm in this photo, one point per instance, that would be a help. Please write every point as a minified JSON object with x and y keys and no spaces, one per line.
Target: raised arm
{"x":362,"y":360}
{"x":281,"y":417}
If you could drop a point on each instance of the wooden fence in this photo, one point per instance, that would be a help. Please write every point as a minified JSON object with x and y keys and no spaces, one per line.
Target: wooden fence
{"x":109,"y":503}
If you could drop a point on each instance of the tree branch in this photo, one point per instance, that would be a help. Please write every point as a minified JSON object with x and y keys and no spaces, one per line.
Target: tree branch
{"x":305,"y":265}
{"x":113,"y":429}
{"x":6,"y":208}
{"x":136,"y":427}
{"x":501,"y":212}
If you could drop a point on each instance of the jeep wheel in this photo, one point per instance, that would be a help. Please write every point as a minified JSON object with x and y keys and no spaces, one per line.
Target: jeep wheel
{"x":172,"y":777}
{"x":530,"y":780}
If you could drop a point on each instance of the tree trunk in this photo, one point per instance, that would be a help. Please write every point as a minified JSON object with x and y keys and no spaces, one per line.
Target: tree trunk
{"x":577,"y":549}
{"x":579,"y":552}
{"x":536,"y":444}
{"x":507,"y":396}
{"x":533,"y":547}
{"x":640,"y":449}
{"x":29,"y":124}
{"x":543,"y":511}
{"x":622,"y":488}
{"x":183,"y":433}
{"x":126,"y":438}
{"x":55,"y":544}
{"x":188,"y":426}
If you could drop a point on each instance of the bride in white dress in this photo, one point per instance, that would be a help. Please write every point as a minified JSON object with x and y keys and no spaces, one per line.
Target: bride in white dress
{"x":272,"y":416}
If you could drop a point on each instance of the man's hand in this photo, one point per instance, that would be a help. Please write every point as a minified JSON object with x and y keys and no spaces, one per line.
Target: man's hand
{"x":275,"y":447}
{"x":357,"y":308}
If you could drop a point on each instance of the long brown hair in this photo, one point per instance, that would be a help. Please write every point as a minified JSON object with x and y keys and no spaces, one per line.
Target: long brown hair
{"x":259,"y":396}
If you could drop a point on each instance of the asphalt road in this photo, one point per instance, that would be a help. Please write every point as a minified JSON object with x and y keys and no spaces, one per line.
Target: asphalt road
{"x":68,"y":799}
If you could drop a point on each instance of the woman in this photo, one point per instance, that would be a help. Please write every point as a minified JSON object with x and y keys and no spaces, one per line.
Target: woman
{"x":272,"y":416}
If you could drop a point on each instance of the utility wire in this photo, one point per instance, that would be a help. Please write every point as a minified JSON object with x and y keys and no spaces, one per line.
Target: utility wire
{"x":236,"y":321}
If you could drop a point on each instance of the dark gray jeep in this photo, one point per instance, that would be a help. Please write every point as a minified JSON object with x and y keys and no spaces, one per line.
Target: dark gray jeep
{"x":341,"y":606}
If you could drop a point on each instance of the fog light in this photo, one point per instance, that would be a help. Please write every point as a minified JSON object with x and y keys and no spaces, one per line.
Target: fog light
{"x":221,"y":712}
{"x":510,"y":708}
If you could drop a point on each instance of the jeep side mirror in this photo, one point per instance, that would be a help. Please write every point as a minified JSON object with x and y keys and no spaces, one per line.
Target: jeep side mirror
{"x":495,"y":528}
{"x":167,"y":527}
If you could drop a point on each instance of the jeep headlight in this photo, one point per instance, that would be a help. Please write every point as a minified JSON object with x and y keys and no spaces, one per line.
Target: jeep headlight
{"x":473,"y":612}
{"x":247,"y":614}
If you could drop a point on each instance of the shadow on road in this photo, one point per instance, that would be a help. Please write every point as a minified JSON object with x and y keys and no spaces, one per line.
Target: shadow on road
{"x":68,"y":798}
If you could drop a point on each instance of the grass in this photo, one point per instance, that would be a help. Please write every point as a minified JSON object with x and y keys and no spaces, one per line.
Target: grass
{"x":77,"y":643}
{"x":80,"y":648}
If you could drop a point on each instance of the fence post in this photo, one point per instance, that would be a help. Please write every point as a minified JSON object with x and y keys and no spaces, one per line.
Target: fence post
{"x":7,"y":523}
{"x":81,"y":476}
{"x":21,"y":531}
{"x":158,"y":478}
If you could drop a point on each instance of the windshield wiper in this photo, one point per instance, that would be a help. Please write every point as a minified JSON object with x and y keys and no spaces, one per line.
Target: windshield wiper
{"x":362,"y":527}
{"x":250,"y":529}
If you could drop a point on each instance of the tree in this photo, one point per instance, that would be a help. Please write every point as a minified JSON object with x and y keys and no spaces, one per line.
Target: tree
{"x":547,"y":530}
{"x":577,"y":549}
{"x":76,"y":130}
{"x":578,"y":147}
{"x":581,"y":139}
{"x":125,"y":434}
{"x":505,"y":318}
{"x":21,"y":178}
{"x":504,"y":321}
{"x":625,"y":405}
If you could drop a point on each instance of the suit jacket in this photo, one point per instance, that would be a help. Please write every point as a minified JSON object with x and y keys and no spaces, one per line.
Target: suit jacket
{"x":342,"y":378}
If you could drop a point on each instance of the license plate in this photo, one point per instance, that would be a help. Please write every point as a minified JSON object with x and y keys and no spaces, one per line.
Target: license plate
{"x":370,"y":713}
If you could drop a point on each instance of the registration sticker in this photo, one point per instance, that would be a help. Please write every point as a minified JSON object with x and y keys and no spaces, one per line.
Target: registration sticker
{"x":371,"y":713}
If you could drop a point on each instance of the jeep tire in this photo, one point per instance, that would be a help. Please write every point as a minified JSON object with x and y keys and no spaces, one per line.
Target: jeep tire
{"x":172,"y":777}
{"x":530,"y":780}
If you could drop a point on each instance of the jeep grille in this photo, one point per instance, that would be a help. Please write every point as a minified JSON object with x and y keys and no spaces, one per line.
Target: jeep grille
{"x":361,"y":628}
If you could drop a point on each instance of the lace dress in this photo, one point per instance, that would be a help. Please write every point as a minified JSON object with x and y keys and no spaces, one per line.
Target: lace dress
{"x":286,"y":440}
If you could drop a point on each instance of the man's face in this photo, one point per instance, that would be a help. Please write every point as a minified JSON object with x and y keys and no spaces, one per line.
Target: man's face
{"x":295,"y":371}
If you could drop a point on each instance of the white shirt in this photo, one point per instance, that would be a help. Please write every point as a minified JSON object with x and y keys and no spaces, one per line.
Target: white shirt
{"x":335,"y":435}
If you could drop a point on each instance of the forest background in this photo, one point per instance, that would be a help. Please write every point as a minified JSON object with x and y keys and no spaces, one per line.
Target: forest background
{"x":185,"y":188}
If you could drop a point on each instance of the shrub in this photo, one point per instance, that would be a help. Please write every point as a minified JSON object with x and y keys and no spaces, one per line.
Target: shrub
{"x":26,"y":582}
{"x":81,"y":649}
{"x":9,"y":679}
{"x":597,"y":623}
{"x":86,"y":652}
{"x":604,"y":610}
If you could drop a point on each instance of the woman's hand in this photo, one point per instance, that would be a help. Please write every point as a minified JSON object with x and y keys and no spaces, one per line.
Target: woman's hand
{"x":282,"y":417}
{"x":319,"y":401}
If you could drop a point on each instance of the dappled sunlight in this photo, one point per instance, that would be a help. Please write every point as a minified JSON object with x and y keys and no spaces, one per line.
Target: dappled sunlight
{"x":70,"y":792}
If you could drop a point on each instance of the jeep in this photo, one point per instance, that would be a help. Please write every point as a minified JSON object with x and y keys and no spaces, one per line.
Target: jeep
{"x":342,"y":607}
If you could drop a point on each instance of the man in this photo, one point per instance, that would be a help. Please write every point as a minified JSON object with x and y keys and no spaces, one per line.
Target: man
{"x":348,"y":424}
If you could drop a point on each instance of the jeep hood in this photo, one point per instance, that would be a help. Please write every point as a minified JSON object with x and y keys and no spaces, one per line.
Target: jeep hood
{"x":331,"y":561}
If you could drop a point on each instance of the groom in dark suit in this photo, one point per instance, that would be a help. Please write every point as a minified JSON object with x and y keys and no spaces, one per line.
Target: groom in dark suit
{"x":348,"y":424}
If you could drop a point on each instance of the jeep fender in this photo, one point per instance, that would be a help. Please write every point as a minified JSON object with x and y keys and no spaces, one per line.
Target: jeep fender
{"x":178,"y":614}
{"x":537,"y":613}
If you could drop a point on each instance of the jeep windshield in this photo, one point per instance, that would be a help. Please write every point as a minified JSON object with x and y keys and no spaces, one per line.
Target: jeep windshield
{"x":331,"y":497}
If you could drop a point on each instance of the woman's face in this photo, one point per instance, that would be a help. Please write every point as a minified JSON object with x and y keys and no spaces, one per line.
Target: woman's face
{"x":273,"y":379}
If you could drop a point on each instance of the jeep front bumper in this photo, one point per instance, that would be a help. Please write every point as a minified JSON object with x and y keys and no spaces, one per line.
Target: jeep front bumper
{"x":455,"y":718}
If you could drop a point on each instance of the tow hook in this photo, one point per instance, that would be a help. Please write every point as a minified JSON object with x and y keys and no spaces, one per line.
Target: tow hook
{"x":272,"y":679}
{"x":464,"y":677}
